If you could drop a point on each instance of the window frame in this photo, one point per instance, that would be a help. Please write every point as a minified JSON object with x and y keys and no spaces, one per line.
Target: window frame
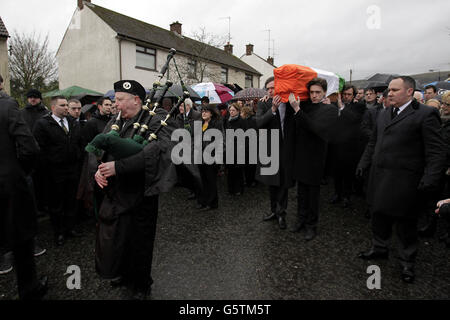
{"x":146,"y":51}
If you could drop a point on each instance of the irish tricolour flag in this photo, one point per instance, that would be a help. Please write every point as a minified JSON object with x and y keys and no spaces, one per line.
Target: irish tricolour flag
{"x":293,"y":78}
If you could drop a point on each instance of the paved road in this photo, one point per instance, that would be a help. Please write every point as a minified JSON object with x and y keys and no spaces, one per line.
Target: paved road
{"x":231,"y":253}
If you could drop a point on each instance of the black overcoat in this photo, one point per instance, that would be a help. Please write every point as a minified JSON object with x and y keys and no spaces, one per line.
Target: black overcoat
{"x":19,"y":152}
{"x":403,"y":153}
{"x":314,"y":124}
{"x":270,"y":122}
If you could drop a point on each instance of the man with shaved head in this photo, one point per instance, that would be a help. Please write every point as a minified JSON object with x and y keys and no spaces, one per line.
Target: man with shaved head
{"x":406,"y":155}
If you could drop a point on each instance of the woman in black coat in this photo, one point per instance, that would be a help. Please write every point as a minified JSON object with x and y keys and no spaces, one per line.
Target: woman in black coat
{"x":235,"y":171}
{"x":208,"y":199}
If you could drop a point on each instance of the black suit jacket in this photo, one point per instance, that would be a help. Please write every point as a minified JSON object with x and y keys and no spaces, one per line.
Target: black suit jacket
{"x":19,"y":152}
{"x":60,"y":152}
{"x":314,"y":124}
{"x":403,"y":153}
{"x":265,"y":119}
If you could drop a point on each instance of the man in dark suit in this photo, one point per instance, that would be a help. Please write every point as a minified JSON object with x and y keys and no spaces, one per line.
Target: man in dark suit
{"x":313,"y":123}
{"x":273,"y":115}
{"x":187,"y":115}
{"x":406,"y":153}
{"x":347,"y":146}
{"x":17,"y":211}
{"x":60,"y":141}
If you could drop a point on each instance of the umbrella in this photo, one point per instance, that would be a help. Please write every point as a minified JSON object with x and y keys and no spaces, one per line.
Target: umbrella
{"x":87,"y":98}
{"x":176,"y":91}
{"x":88,"y":108}
{"x":382,"y":77}
{"x":72,"y":92}
{"x":445,"y":85}
{"x":249,"y":94}
{"x":216,"y":93}
{"x":377,"y":86}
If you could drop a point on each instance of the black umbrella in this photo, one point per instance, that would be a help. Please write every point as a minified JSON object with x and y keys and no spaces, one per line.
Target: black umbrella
{"x":382,"y":77}
{"x":176,"y":91}
{"x":377,"y":86}
{"x":86,"y":98}
{"x":88,"y":108}
{"x":445,"y":85}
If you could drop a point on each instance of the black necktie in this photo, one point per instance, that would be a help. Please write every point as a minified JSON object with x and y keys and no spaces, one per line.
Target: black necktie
{"x":63,"y":126}
{"x":394,"y":112}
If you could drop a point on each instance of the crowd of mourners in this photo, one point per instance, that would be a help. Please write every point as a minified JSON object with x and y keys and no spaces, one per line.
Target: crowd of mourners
{"x":386,"y":145}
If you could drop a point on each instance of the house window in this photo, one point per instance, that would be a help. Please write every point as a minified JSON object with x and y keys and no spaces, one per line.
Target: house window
{"x":145,"y":58}
{"x":192,"y":69}
{"x":224,"y":75}
{"x":248,"y":81}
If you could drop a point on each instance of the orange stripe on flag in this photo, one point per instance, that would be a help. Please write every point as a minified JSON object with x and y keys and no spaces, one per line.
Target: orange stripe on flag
{"x":293,"y":78}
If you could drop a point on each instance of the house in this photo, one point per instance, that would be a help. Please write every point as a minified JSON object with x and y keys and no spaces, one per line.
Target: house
{"x":4,"y":66}
{"x":265,"y":67}
{"x":101,"y":46}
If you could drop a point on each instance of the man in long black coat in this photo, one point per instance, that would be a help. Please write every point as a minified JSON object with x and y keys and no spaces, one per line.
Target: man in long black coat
{"x":32,"y":112}
{"x":407,"y":157}
{"x":277,"y":117}
{"x":59,"y":138}
{"x":128,"y":214}
{"x":314,"y":122}
{"x":17,"y":213}
{"x":347,"y":145}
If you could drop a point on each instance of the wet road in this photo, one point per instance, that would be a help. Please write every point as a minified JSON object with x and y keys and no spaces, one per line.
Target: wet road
{"x":230,"y":253}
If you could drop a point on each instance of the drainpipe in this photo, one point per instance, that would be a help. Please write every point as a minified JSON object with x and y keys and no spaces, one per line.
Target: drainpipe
{"x":120,"y":58}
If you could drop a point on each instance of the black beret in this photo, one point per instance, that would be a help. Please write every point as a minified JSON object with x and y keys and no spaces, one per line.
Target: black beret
{"x":130,"y":86}
{"x":34,"y":93}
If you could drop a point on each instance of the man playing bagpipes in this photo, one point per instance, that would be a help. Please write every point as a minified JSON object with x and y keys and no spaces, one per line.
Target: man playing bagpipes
{"x":128,"y":214}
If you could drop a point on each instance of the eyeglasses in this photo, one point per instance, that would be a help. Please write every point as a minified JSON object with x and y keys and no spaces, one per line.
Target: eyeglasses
{"x":446,"y":104}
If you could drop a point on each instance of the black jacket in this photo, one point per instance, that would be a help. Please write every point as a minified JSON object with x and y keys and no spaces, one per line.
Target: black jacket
{"x":60,"y":152}
{"x":234,"y":124}
{"x":265,"y":119}
{"x":314,"y":124}
{"x":19,"y":152}
{"x":31,"y":114}
{"x":403,"y":154}
{"x":95,"y":125}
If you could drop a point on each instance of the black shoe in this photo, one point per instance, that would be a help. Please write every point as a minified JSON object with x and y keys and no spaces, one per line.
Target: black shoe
{"x":6,"y":265}
{"x":59,"y":240}
{"x":191,"y":196}
{"x":297,"y":227}
{"x":117,"y":282}
{"x":282,"y":222}
{"x":208,"y":208}
{"x":373,"y":255}
{"x":270,"y":216}
{"x":39,"y":291}
{"x":335,"y":199}
{"x":346,"y":203}
{"x":73,"y":234}
{"x":39,"y":251}
{"x":408,"y":274}
{"x":310,"y":234}
{"x":141,"y":294}
{"x":429,"y":229}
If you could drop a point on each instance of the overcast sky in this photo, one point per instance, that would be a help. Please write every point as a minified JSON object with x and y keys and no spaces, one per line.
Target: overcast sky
{"x":400,"y":36}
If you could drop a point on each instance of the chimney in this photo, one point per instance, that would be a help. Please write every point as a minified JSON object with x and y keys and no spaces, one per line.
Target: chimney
{"x":270,"y":60}
{"x":80,"y":3}
{"x":249,"y":49}
{"x":176,"y":27}
{"x":228,"y":48}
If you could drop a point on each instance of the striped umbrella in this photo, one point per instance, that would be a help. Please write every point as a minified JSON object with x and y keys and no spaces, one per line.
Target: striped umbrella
{"x":249,"y":94}
{"x":216,"y":93}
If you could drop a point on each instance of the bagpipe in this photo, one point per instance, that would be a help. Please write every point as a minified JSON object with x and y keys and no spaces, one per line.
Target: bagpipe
{"x":113,"y":144}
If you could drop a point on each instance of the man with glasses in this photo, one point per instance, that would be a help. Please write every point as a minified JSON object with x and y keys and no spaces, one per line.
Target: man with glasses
{"x":60,"y":142}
